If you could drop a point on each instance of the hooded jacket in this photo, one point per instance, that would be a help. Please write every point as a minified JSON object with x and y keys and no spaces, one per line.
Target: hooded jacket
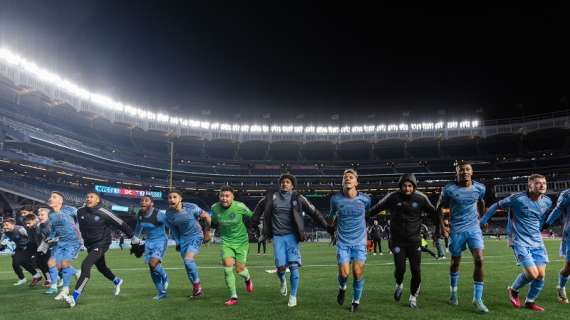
{"x":299,"y":204}
{"x":96,"y":225}
{"x":406,"y":212}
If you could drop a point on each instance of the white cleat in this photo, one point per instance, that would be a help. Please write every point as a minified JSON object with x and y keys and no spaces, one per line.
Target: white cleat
{"x":20,"y":282}
{"x":562,"y":298}
{"x":118,"y":287}
{"x":70,"y":301}
{"x":61,"y":295}
{"x":60,"y":282}
{"x":283,"y":288}
{"x":292,"y":301}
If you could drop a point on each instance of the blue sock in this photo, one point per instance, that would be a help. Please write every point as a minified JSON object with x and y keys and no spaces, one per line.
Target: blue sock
{"x":191,"y":270}
{"x":520,"y":281}
{"x":342,"y":282}
{"x":53,"y":275}
{"x":357,"y":287}
{"x":157,"y":280}
{"x":478,"y":290}
{"x":116,"y":280}
{"x":281,"y":276}
{"x":562,"y":281}
{"x":454,"y":279}
{"x":294,"y":278}
{"x":535,"y":288}
{"x":68,"y":273}
{"x":76,"y":295}
{"x":161,"y":272}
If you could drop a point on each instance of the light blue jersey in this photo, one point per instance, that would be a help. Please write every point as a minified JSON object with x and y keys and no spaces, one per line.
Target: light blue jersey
{"x":525,"y":219}
{"x":151,"y":227}
{"x":63,"y":225}
{"x":184,"y":224}
{"x":462,"y":202}
{"x":350,"y":218}
{"x":562,"y":211}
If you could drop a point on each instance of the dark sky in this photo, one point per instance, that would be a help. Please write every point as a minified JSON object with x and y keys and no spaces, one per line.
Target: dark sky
{"x":307,"y":57}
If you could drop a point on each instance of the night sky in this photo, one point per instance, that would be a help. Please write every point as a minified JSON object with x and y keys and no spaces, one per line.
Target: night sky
{"x":303,"y":61}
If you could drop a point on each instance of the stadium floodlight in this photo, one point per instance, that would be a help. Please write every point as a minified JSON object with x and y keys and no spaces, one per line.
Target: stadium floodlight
{"x":345,"y":129}
{"x":333,"y":130}
{"x":184,"y":122}
{"x":226,"y":127}
{"x":161,"y":117}
{"x":205,"y":125}
{"x":416,"y":126}
{"x":265,"y":129}
{"x":369,"y":128}
{"x":244,"y":128}
{"x":236,"y":127}
{"x":255,"y":128}
{"x":356,"y":129}
{"x":465,"y":124}
{"x":452,"y":125}
{"x":276,"y":129}
{"x":322,"y":130}
{"x":298,"y":129}
{"x":310,"y":129}
{"x":174,"y":121}
{"x":474,"y":124}
{"x":403,"y":127}
{"x":287,"y":129}
{"x":215,"y":126}
{"x":381,"y":128}
{"x":428,"y":126}
{"x":194,"y":123}
{"x":392,"y":127}
{"x":439,"y":125}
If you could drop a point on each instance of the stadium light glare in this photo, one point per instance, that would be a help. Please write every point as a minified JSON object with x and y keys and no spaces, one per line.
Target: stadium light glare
{"x":13,"y":60}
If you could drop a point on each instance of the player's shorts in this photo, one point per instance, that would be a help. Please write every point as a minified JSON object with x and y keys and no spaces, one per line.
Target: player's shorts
{"x":65,"y":251}
{"x":349,"y":254}
{"x":286,"y":250}
{"x":530,"y":257}
{"x":459,"y":241}
{"x":191,"y":245}
{"x":155,"y":250}
{"x":239,"y":252}
{"x":565,"y":249}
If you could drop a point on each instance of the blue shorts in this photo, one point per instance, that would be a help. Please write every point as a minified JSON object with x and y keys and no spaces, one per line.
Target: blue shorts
{"x":191,"y":245}
{"x":529,"y":256}
{"x":154,"y":249}
{"x":459,"y":241}
{"x":286,"y":250}
{"x":349,"y":254}
{"x":565,"y":249}
{"x":65,"y":251}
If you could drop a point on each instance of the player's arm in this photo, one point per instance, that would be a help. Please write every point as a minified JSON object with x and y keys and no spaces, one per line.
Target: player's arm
{"x":116,"y":222}
{"x":381,"y":205}
{"x":205,"y":216}
{"x":502,"y":204}
{"x":442,"y":202}
{"x":258,"y":211}
{"x":314,"y":213}
{"x":562,"y":203}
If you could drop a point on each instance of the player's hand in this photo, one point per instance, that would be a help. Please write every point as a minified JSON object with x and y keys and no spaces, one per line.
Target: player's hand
{"x":207,"y":237}
{"x":135,"y":240}
{"x":52,"y":240}
{"x":178,"y":247}
{"x":331,"y":229}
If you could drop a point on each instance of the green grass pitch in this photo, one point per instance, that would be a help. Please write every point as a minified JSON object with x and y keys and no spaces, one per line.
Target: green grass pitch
{"x":316,"y":297}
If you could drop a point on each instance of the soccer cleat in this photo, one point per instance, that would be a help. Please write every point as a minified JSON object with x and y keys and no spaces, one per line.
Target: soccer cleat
{"x":412,"y":303}
{"x":514,"y":297}
{"x":60,"y":283}
{"x":480,"y":306}
{"x":118,"y":284}
{"x":231,"y":302}
{"x":562,"y":298}
{"x":35,"y":281}
{"x":340,"y":296}
{"x":51,"y":290}
{"x":381,"y":253}
{"x":197,"y":291}
{"x":292,"y":301}
{"x":354,"y":307}
{"x":160,"y":296}
{"x":70,"y":301}
{"x":533,"y":306}
{"x":453,"y":298}
{"x":283,"y":288}
{"x":374,"y":254}
{"x":47,"y":284}
{"x":398,"y":292}
{"x":20,"y":282}
{"x":249,"y":285}
{"x":64,"y":292}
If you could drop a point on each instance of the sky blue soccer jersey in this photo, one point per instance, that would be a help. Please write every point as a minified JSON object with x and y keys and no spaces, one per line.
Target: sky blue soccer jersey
{"x":151,"y":229}
{"x":350,"y":216}
{"x":184,"y":224}
{"x":63,"y":225}
{"x":462,"y":202}
{"x":562,"y":211}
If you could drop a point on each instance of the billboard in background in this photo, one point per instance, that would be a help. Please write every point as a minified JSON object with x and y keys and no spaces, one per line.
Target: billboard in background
{"x":127,"y":193}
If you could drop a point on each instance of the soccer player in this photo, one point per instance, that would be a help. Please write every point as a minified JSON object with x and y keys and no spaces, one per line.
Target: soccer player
{"x":261,"y":241}
{"x":44,"y":253}
{"x":151,"y":228}
{"x":406,"y":206}
{"x":282,"y":215}
{"x":562,"y":211}
{"x":65,"y":235}
{"x":465,"y":199}
{"x":348,"y":209}
{"x":228,"y":215}
{"x":528,"y":212}
{"x":376,"y":233}
{"x":182,"y":220}
{"x":96,"y":225}
{"x":22,"y":256}
{"x":37,"y":233}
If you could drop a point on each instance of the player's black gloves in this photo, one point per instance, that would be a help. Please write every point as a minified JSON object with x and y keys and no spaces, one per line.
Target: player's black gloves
{"x":544,"y":226}
{"x":137,"y":249}
{"x":178,"y":247}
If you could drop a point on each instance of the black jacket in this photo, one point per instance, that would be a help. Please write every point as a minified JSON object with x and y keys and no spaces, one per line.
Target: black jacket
{"x":96,"y":225}
{"x":20,"y":237}
{"x":406,"y":213}
{"x":299,"y":204}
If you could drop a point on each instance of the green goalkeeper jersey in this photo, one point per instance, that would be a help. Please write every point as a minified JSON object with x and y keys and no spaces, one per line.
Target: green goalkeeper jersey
{"x":230,"y":222}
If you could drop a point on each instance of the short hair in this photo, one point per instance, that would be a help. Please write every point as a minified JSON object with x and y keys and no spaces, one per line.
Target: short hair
{"x":461,"y":163}
{"x":535,"y":176}
{"x":28,"y":208}
{"x":227,"y":189}
{"x":178,"y":192}
{"x":59,"y":194}
{"x":43,"y":209}
{"x":147,"y":196}
{"x":351,"y":171}
{"x":30,"y":217}
{"x":10,"y":220}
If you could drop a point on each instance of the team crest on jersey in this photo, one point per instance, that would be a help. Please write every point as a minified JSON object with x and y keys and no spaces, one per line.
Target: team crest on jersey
{"x":415,"y":205}
{"x":396,"y":249}
{"x":96,"y":218}
{"x":232,"y":216}
{"x":294,"y":203}
{"x":399,"y":204}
